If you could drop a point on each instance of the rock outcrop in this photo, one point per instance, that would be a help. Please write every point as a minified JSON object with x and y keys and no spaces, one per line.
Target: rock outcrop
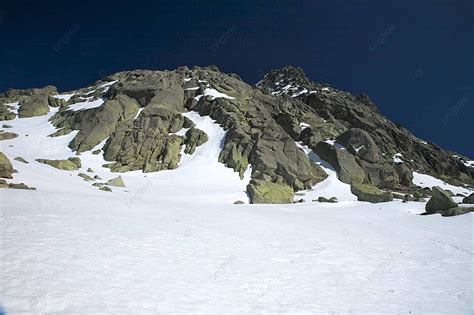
{"x":370,"y":193}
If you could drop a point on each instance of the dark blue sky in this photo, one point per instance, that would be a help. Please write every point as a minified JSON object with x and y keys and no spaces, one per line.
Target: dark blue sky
{"x":414,"y":58}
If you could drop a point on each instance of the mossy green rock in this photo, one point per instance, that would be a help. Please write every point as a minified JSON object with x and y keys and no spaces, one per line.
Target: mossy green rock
{"x":35,"y":105}
{"x":440,"y":201}
{"x":76,"y":161}
{"x":7,"y":135}
{"x":20,"y":186}
{"x":20,"y":159}
{"x":268,"y":192}
{"x":85,"y":177}
{"x":370,"y":193}
{"x":60,"y":132}
{"x":117,"y":182}
{"x":6,"y":168}
{"x":105,"y":188}
{"x":6,"y":114}
{"x":67,"y":165}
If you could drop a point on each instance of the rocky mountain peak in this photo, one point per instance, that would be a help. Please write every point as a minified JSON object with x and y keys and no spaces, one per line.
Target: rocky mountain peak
{"x":289,"y":80}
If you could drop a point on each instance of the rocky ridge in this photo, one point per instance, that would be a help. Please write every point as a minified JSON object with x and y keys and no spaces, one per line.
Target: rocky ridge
{"x":137,"y":121}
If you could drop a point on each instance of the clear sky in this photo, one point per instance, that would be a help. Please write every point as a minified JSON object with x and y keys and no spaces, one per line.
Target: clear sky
{"x":414,"y":58}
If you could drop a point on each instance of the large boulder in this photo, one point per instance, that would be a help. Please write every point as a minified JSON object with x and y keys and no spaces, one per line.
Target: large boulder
{"x":469,"y":199}
{"x":370,"y":193}
{"x":345,"y":164}
{"x":440,"y":201}
{"x":360,"y":144}
{"x":261,"y":191}
{"x":380,"y":175}
{"x":6,"y":168}
{"x":36,"y":105}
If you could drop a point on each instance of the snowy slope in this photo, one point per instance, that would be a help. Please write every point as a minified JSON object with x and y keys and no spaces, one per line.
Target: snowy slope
{"x":174,"y":242}
{"x":74,"y":253}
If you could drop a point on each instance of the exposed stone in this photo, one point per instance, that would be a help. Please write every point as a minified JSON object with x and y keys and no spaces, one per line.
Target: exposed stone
{"x":239,"y":202}
{"x":469,"y":199}
{"x":370,"y":193}
{"x":440,"y":201}
{"x":261,"y":191}
{"x":194,"y":138}
{"x":345,"y":164}
{"x":60,"y":132}
{"x":456,"y":211}
{"x":117,"y":182}
{"x":68,"y":165}
{"x":6,"y":168}
{"x":85,"y":177}
{"x":105,"y":188}
{"x":56,"y":102}
{"x":20,"y":186}
{"x":330,"y":200}
{"x":360,"y":144}
{"x":20,"y":159}
{"x":7,"y":135}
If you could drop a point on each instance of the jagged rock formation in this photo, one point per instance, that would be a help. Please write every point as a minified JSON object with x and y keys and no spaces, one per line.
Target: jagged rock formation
{"x":358,"y":125}
{"x":139,"y":120}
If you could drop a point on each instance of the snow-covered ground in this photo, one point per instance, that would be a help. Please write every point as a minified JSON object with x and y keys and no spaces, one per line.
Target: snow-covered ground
{"x":174,"y":242}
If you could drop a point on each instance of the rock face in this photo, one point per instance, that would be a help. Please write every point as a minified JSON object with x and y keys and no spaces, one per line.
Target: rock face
{"x":440,"y":201}
{"x":360,"y":144}
{"x":267,"y":192}
{"x":6,"y":168}
{"x":370,"y":193}
{"x":344,"y":112}
{"x":348,"y":169}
